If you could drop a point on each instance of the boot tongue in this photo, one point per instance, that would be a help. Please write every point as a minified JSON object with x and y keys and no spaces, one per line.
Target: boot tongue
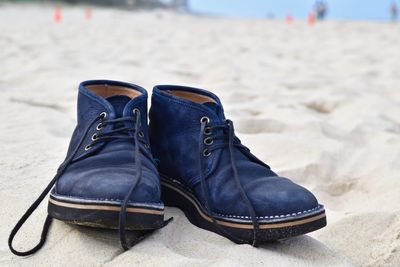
{"x":216,"y":108}
{"x":118,"y":102}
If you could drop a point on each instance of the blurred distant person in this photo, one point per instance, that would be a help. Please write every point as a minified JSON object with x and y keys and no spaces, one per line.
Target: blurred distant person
{"x":180,"y":4}
{"x":393,"y":11}
{"x":321,"y":8}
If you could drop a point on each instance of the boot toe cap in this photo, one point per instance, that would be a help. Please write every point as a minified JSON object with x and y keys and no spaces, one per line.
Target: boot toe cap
{"x":281,"y":197}
{"x":269,"y":196}
{"x":109,"y":185}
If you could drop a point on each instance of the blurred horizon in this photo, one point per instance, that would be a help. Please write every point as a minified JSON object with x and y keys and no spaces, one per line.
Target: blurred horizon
{"x":337,"y":9}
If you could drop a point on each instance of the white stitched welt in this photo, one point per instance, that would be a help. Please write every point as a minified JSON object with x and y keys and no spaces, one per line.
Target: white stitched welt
{"x":270,"y":217}
{"x":73,"y":198}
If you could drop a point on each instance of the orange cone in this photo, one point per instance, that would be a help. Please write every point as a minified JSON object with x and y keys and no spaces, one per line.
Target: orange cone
{"x":311,"y":18}
{"x":88,"y":13}
{"x":289,"y":19}
{"x":57,"y":14}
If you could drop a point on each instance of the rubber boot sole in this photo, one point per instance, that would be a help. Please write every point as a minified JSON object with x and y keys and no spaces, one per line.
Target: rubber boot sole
{"x":105,"y":214}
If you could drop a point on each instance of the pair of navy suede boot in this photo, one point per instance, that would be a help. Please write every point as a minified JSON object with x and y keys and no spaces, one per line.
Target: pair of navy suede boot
{"x":120,"y":171}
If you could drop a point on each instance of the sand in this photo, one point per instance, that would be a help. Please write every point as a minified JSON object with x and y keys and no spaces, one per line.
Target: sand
{"x":320,"y":104}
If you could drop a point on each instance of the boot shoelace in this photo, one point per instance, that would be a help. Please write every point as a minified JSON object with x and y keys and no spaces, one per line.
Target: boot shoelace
{"x":96,"y":138}
{"x":206,"y":140}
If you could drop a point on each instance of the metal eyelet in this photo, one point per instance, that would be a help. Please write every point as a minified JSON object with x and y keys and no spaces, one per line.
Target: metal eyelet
{"x":103,"y":115}
{"x":141,"y":134}
{"x":99,"y":126}
{"x":205,"y":120}
{"x":208,"y":141}
{"x":135,"y":111}
{"x":207,"y":131}
{"x":206,"y":152}
{"x":94,"y":137}
{"x":88,"y":147}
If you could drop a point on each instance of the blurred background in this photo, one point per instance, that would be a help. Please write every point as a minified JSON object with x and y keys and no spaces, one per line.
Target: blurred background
{"x":338,"y":9}
{"x":313,"y":88}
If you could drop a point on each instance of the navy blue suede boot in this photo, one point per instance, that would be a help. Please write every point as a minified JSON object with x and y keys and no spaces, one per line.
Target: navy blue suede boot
{"x":215,"y":180}
{"x":109,"y":178}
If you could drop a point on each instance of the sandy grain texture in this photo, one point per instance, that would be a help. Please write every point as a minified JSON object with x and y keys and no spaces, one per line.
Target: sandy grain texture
{"x":320,"y":104}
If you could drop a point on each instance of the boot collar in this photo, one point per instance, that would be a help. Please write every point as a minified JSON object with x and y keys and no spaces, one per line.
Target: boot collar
{"x":142,"y":95}
{"x":94,"y":103}
{"x":215,"y":115}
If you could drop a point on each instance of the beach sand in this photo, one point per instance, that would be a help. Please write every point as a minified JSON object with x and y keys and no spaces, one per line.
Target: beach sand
{"x":319,"y":104}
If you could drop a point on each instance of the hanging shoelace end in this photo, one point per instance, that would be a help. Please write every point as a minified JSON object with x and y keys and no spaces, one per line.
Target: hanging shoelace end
{"x":255,"y":243}
{"x":45,"y":230}
{"x":128,"y":245}
{"x":166,"y":222}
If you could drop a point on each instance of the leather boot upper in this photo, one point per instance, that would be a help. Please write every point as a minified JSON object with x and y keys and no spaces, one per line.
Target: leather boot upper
{"x":175,"y":125}
{"x":105,"y":171}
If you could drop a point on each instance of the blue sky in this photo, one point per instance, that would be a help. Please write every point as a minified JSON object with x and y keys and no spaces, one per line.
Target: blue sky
{"x":338,"y":9}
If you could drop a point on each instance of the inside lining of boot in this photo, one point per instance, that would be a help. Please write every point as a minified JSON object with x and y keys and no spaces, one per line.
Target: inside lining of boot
{"x":198,"y":98}
{"x":106,"y":90}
